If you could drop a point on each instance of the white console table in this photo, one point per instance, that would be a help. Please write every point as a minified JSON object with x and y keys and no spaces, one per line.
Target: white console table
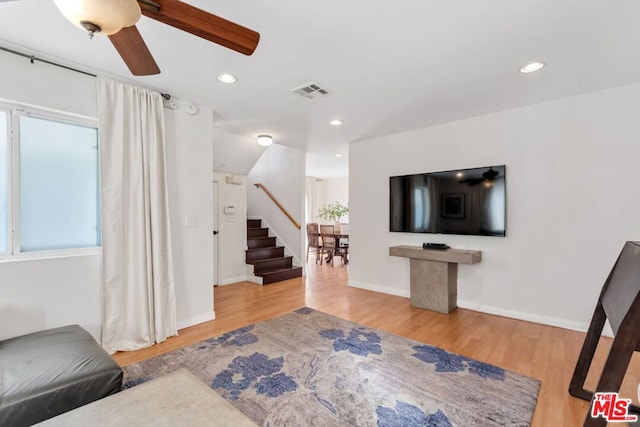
{"x":434,"y":275}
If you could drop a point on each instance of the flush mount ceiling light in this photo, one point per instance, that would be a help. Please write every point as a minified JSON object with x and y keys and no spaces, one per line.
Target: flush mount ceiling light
{"x":336,"y":122}
{"x":532,"y":67}
{"x":99,"y":16}
{"x":338,"y":155}
{"x":227,"y":78}
{"x":265,"y":140}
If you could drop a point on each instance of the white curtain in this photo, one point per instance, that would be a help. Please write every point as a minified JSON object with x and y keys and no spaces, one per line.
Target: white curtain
{"x":310,"y":199}
{"x":138,"y":289}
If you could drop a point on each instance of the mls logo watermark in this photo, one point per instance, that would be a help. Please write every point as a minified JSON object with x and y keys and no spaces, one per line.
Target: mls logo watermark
{"x":612,"y":408}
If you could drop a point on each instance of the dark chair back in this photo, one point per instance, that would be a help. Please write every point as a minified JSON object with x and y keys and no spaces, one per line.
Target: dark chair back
{"x":313,"y":238}
{"x":619,"y":302}
{"x":328,"y":239}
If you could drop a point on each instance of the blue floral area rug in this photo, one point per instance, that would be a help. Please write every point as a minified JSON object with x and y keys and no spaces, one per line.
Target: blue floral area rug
{"x":308,"y":368}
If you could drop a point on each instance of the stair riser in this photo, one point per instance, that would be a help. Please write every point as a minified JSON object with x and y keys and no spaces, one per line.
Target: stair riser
{"x":286,"y":262}
{"x":282,"y":275}
{"x":265,"y":253}
{"x":257,"y":232}
{"x":262,"y":242}
{"x":254,"y":223}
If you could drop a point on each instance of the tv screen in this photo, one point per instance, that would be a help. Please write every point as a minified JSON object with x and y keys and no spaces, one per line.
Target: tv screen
{"x":464,"y":201}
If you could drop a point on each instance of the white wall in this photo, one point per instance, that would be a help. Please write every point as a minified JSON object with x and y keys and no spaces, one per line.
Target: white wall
{"x":572,"y":175}
{"x":331,"y":190}
{"x":46,"y":293}
{"x":232,"y":237}
{"x":40,"y":294}
{"x":233,"y":153}
{"x":46,"y":86}
{"x":282,"y":170}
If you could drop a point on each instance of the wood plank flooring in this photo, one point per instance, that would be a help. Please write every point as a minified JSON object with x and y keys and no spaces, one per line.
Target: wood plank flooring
{"x":543,"y":352}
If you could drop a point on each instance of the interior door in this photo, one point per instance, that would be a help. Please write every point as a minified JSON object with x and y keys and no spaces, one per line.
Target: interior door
{"x":216,"y":234}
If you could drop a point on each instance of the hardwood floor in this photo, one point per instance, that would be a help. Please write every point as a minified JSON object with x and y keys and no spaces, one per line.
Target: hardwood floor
{"x":543,"y":352}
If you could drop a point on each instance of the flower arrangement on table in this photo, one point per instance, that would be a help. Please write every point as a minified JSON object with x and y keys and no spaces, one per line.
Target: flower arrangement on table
{"x":333,"y":212}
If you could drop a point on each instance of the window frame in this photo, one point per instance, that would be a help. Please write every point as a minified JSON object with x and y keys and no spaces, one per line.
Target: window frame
{"x":9,"y":179}
{"x":14,"y":112}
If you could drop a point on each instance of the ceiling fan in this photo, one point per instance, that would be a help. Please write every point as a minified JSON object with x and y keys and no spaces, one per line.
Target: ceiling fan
{"x":117,"y":19}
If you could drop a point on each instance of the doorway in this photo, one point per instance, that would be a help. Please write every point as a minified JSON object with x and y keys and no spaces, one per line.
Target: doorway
{"x":216,"y":245}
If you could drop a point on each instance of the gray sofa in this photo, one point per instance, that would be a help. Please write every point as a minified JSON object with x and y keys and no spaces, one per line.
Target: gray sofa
{"x":46,"y":373}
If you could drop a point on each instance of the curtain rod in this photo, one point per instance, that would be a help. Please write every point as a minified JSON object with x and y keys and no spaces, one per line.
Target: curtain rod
{"x":33,"y":58}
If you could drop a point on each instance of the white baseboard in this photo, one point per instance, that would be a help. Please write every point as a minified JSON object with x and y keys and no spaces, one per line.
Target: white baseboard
{"x":534,"y":318}
{"x":195,"y":320}
{"x":381,"y":289}
{"x":512,"y":314}
{"x":527,"y":317}
{"x":233,"y":280}
{"x":254,"y":279}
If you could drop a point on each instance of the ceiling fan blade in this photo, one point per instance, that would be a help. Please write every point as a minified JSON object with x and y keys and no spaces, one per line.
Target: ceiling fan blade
{"x":134,"y":52}
{"x":202,"y":24}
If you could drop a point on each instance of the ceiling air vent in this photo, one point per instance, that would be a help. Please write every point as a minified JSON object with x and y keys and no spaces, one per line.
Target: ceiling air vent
{"x":311,"y":91}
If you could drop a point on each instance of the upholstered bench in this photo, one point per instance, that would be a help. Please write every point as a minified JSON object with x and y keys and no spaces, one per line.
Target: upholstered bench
{"x":46,"y":373}
{"x":175,"y":399}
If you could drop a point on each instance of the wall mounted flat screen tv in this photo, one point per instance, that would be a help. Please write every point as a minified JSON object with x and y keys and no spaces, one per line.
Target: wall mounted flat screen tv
{"x":464,"y":201}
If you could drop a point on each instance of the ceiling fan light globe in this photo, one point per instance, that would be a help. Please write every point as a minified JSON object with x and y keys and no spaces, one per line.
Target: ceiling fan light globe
{"x":265,"y":140}
{"x":110,"y":16}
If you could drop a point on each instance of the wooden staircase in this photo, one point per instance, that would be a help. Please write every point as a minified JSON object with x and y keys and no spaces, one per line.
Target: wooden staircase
{"x":268,"y":260}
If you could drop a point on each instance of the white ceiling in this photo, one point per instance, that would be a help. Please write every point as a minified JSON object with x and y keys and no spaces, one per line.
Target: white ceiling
{"x":389,"y":66}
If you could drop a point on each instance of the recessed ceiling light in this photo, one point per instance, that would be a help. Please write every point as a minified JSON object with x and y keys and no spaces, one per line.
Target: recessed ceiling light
{"x":338,"y":155}
{"x":336,"y":122}
{"x":530,"y":68}
{"x":265,"y":140}
{"x":459,"y":175}
{"x":227,"y":78}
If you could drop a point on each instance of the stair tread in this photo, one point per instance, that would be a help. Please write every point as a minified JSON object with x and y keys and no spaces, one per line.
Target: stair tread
{"x":276,"y":270}
{"x":266,"y":247}
{"x":279,"y":276}
{"x":257,"y":232}
{"x":266,"y":260}
{"x":259,"y":242}
{"x":274,"y":259}
{"x":256,"y":254}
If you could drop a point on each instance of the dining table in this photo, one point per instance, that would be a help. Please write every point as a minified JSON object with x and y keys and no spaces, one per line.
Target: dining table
{"x":338,"y":237}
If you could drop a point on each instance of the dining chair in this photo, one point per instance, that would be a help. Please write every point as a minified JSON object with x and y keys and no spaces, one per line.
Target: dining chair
{"x":328,"y":243}
{"x":313,"y":241}
{"x":619,"y":303}
{"x":344,"y":242}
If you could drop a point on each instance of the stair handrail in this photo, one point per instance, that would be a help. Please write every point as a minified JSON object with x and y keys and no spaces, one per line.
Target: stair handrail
{"x":278,"y":204}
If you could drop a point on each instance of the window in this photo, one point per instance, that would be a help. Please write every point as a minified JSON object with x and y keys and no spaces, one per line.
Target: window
{"x":4,"y":182}
{"x":49,"y":190}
